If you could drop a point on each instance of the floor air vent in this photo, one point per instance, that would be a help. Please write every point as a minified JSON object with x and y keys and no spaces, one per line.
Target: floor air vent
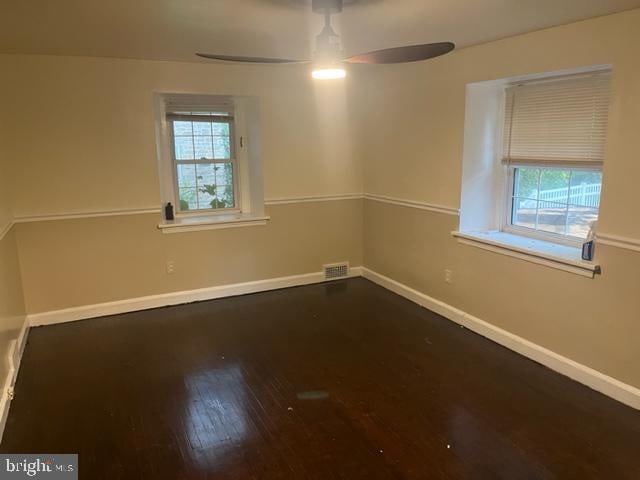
{"x":336,"y":270}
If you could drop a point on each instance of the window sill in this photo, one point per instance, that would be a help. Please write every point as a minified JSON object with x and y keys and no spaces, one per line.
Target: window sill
{"x":211,"y":222}
{"x":550,"y":254}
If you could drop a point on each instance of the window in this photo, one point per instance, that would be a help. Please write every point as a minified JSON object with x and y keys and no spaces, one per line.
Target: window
{"x":205,"y":164}
{"x":209,"y":159}
{"x":532,"y":166}
{"x":554,"y":138}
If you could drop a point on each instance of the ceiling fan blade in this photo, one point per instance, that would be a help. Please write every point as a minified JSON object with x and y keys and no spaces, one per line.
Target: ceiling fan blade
{"x":240,"y":59}
{"x":412,"y":53}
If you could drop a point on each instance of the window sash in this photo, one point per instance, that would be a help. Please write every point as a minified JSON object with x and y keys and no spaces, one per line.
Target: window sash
{"x":205,"y":211}
{"x":224,"y":119}
{"x":509,"y":226}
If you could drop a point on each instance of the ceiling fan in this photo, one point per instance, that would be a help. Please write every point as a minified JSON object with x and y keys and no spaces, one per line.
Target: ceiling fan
{"x":328,"y":59}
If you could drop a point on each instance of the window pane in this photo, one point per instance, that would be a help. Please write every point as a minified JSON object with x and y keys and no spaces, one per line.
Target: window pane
{"x":202,"y":128}
{"x":552,"y":217}
{"x":204,"y":147}
{"x":206,"y":185}
{"x":524,"y":212}
{"x":554,"y":185}
{"x":182,"y":128}
{"x":188,"y":199}
{"x":526,"y":182}
{"x":586,"y":186}
{"x":225,"y":195}
{"x":221,"y":129}
{"x":205,"y":196}
{"x":580,"y":219}
{"x":224,"y":173}
{"x":221,"y":148}
{"x":186,"y":176}
{"x":206,"y":174}
{"x":184,"y":148}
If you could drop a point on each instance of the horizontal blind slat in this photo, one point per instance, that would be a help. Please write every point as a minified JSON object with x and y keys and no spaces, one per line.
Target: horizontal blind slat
{"x":181,"y":117}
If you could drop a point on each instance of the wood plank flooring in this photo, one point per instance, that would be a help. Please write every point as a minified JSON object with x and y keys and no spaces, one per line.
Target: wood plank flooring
{"x":334,"y":381}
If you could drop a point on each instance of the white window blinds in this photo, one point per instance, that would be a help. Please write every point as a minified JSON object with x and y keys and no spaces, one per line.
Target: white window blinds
{"x":559,"y":121}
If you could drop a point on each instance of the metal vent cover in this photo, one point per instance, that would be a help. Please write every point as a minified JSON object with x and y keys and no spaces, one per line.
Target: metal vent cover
{"x":336,"y":270}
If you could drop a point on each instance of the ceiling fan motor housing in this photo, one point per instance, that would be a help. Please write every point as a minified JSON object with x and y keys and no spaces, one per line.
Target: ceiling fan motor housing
{"x":328,"y":48}
{"x":326,"y":6}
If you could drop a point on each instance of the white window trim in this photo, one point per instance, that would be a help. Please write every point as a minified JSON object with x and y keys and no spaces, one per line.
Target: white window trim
{"x":485,"y":227}
{"x":247,"y":150}
{"x":211,"y":222}
{"x":549,"y":254}
{"x":505,"y":212}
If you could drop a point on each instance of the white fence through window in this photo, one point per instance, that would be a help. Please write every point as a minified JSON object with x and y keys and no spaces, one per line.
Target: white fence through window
{"x":586,"y":195}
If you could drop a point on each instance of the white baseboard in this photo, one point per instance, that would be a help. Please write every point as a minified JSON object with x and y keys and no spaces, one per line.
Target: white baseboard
{"x":176,"y":298}
{"x":14,"y":358}
{"x":605,"y":384}
{"x":14,"y":355}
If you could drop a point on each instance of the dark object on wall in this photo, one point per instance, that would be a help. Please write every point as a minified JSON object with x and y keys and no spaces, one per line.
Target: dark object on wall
{"x":168,"y":212}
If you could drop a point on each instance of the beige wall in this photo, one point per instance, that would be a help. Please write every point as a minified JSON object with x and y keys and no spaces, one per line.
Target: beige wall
{"x":12,"y":309}
{"x":83,"y":131}
{"x":5,"y":208}
{"x":5,"y":184}
{"x":418,"y":156}
{"x":82,"y":262}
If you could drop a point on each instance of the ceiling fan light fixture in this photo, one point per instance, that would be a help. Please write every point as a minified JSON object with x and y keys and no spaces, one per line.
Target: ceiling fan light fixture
{"x":333,"y":72}
{"x":327,"y":63}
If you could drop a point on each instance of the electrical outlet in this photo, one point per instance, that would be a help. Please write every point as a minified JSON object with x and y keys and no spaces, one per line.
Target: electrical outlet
{"x":171,"y":266}
{"x":448,"y":276}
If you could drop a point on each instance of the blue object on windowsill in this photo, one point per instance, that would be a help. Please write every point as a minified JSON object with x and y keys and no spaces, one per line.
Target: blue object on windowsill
{"x":587,"y":250}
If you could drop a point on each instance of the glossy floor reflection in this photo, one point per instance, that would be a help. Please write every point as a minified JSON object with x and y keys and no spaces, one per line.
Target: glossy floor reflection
{"x":335,"y":381}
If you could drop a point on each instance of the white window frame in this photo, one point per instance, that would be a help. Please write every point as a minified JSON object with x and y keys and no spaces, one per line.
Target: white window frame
{"x":507,"y":224}
{"x":487,"y":181}
{"x":246,"y":146}
{"x":504,"y":208}
{"x":234,"y":141}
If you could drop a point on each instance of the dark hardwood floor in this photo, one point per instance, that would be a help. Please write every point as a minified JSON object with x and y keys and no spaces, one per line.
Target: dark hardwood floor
{"x":334,"y":381}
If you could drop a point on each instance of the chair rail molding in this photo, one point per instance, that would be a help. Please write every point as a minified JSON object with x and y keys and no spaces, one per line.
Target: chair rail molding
{"x":413,"y":204}
{"x":312,"y":199}
{"x":46,"y":217}
{"x":626,"y":243}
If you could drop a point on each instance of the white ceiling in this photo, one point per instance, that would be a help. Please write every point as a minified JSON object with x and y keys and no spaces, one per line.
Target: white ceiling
{"x":176,"y":29}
